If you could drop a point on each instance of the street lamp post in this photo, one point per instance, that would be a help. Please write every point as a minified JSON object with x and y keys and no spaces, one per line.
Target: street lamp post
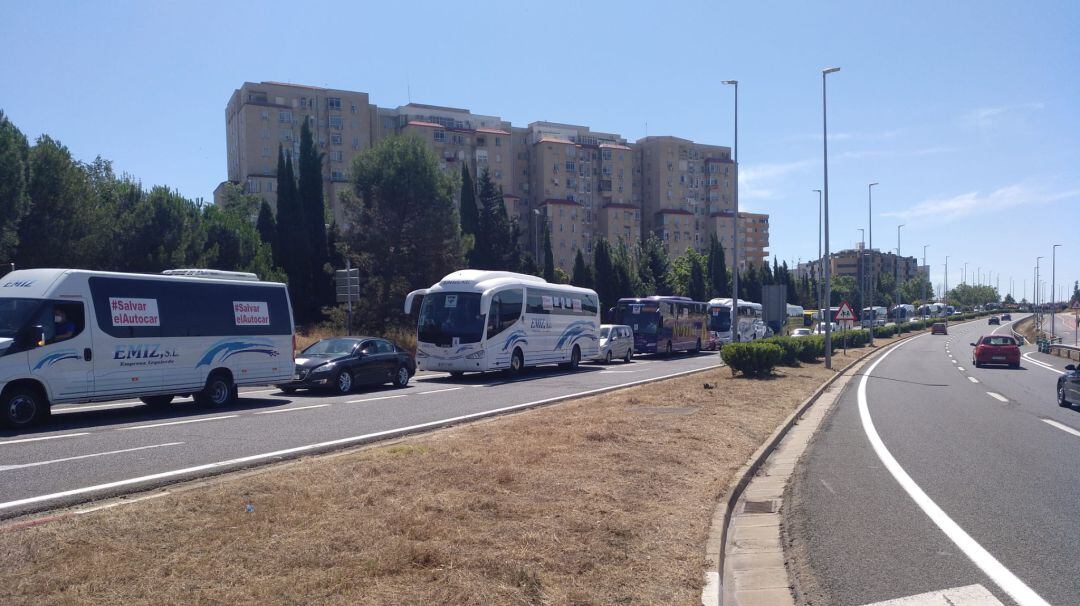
{"x":896,"y":301}
{"x":862,"y":271}
{"x":825,"y":167}
{"x":1053,"y":293}
{"x":870,"y":253}
{"x":945,"y":293}
{"x":1038,"y":310}
{"x":820,"y":261}
{"x":965,"y":272}
{"x":735,"y":226}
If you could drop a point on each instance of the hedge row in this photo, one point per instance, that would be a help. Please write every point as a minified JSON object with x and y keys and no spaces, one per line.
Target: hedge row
{"x":755,"y":358}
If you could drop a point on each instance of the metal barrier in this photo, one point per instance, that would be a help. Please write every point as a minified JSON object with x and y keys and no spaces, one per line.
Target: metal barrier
{"x":1063,"y":351}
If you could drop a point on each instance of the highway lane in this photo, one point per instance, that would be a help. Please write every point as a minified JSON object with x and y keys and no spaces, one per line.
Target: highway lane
{"x":85,"y":448}
{"x":975,"y":443}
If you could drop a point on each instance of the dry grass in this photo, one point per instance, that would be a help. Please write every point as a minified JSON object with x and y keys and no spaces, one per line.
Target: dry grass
{"x":603,"y":500}
{"x":404,"y":337}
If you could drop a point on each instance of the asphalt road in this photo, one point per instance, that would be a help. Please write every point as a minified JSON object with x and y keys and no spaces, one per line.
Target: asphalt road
{"x":978,"y":474}
{"x":93,"y":450}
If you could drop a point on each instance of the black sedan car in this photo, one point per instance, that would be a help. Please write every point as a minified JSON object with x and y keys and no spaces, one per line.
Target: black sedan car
{"x":994,"y":320}
{"x":340,"y":364}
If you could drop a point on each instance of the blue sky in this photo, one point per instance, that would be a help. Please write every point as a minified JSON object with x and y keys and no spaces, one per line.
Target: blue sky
{"x":967,"y":113}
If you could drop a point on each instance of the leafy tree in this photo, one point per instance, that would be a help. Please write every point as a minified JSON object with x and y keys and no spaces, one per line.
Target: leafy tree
{"x":405,"y":230}
{"x":265,"y":224}
{"x":232,"y":243}
{"x":654,"y":266}
{"x":843,"y":289}
{"x":750,"y":284}
{"x":582,"y":275}
{"x":1009,"y":300}
{"x":971,"y":295}
{"x":719,"y":283}
{"x":697,"y":289}
{"x":497,"y":239}
{"x":235,"y":200}
{"x":1075,"y":298}
{"x":914,"y":289}
{"x":561,"y":277}
{"x":549,"y":257}
{"x":529,"y":266}
{"x":625,"y":279}
{"x":14,"y":173}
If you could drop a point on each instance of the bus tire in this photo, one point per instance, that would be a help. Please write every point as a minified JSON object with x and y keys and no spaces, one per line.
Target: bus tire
{"x":23,"y":406}
{"x":575,"y":358}
{"x":456,"y":374}
{"x":517,"y":362}
{"x":156,"y":401}
{"x":667,"y":350}
{"x":697,"y":347}
{"x":219,"y":391}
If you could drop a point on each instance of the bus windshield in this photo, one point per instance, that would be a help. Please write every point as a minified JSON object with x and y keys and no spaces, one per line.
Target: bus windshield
{"x":644,"y":318}
{"x":720,"y":319}
{"x":14,"y":314}
{"x":446,"y":316}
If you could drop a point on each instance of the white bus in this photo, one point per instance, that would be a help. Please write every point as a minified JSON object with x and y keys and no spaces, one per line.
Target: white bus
{"x":70,"y":335}
{"x":477,"y":321}
{"x":750,"y":324}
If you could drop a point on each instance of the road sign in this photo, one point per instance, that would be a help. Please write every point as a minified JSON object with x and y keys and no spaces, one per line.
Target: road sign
{"x":1076,"y":305}
{"x":845,"y":313}
{"x":347,"y":282}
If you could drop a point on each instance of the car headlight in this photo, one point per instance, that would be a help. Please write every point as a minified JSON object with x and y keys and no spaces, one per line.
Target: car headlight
{"x":324,"y":368}
{"x":475,"y":356}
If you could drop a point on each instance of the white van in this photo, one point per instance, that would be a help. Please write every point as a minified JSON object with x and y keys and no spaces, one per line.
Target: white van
{"x":70,"y":335}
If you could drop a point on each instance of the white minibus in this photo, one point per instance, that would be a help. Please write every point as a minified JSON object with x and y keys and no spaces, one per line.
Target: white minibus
{"x":476,"y":321}
{"x":69,"y":335}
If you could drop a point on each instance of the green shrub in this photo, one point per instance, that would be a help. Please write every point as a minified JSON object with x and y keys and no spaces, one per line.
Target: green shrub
{"x":813,"y":347}
{"x":884,"y":332}
{"x":791,"y":346}
{"x":752,"y":359}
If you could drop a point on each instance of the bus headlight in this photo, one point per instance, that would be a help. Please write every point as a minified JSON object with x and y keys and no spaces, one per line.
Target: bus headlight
{"x":475,"y":356}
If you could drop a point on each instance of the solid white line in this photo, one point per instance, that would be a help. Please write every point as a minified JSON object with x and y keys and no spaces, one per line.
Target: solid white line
{"x":85,"y":456}
{"x":1062,"y":427}
{"x":339,"y":442}
{"x":424,"y":393}
{"x":66,"y":435}
{"x":1003,"y":577}
{"x":1042,"y":364}
{"x":973,"y":379}
{"x":997,"y":396}
{"x":372,"y":399}
{"x":176,"y":423}
{"x":274,"y":412}
{"x":119,"y":503}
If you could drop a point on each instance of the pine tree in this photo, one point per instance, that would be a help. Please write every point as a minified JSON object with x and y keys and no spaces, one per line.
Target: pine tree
{"x":582,"y":275}
{"x":266,"y":225}
{"x":549,"y":256}
{"x":655,"y":265}
{"x":719,"y":284}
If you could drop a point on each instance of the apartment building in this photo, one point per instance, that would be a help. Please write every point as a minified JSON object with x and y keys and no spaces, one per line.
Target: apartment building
{"x":753,"y":236}
{"x":580,"y":183}
{"x":854,"y":261}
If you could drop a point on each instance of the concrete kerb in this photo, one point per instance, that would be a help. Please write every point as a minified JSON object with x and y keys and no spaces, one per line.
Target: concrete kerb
{"x":712,"y":593}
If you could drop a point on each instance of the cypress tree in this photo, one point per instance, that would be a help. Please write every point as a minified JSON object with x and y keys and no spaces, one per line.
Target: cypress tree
{"x":313,"y":205}
{"x":604,"y":271}
{"x":719,"y":285}
{"x":697,"y":289}
{"x":549,"y":257}
{"x":266,"y":224}
{"x":470,"y":218}
{"x":582,"y":275}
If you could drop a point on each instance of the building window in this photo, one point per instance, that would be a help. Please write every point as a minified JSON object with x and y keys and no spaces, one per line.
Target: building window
{"x":498,"y":175}
{"x":266,"y":151}
{"x":498,"y":141}
{"x":570,"y":166}
{"x":606,"y":154}
{"x":481,"y":155}
{"x":336,"y":155}
{"x":333,"y":102}
{"x":270,"y":186}
{"x":335,"y":122}
{"x":264,"y":133}
{"x":303,"y":102}
{"x":253,"y":185}
{"x":480,"y":141}
{"x":265,"y":115}
{"x":284,"y":116}
{"x":337,"y":175}
{"x":335,"y":139}
{"x":440,"y":136}
{"x":286,"y":134}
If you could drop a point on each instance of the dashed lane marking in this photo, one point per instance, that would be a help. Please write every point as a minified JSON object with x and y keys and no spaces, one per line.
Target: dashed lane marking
{"x":373,"y":399}
{"x":997,"y":396}
{"x":66,"y":435}
{"x":424,"y":393}
{"x":85,"y":456}
{"x":973,"y":379}
{"x":274,"y":412}
{"x":176,"y":423}
{"x":1062,"y":427}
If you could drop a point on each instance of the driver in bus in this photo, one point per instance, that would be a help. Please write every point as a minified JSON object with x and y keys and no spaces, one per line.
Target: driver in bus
{"x":63,"y":327}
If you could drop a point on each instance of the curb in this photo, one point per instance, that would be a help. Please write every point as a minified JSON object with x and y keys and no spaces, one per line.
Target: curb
{"x":713,"y":591}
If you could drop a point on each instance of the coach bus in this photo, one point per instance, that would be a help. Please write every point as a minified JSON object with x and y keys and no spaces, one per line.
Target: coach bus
{"x":750,"y":324}
{"x":664,"y":324}
{"x":479,"y":321}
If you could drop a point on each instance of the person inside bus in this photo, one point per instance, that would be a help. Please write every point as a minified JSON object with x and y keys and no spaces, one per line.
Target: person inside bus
{"x":63,"y":327}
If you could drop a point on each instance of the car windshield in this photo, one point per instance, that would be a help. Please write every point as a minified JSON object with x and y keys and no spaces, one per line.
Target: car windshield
{"x":644,"y":318}
{"x":449,"y":316}
{"x":604,"y":332}
{"x":720,"y":319}
{"x":14,"y":315}
{"x":330,"y":347}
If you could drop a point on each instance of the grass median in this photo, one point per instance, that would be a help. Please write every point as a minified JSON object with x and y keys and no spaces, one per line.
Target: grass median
{"x":601,"y":500}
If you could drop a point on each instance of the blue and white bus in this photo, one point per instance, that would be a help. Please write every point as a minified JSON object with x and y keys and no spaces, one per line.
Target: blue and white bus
{"x":664,"y":324}
{"x":478,"y":321}
{"x":750,"y":325}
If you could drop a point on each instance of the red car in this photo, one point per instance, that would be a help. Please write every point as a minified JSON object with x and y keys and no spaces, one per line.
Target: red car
{"x":996,"y":349}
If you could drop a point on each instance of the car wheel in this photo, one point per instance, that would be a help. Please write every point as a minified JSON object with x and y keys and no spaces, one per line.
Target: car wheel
{"x":156,"y":401}
{"x":343,"y":382}
{"x":517,"y":362}
{"x":608,"y":357}
{"x":401,"y":379}
{"x":1062,"y":402}
{"x":287,"y":389}
{"x":629,"y":354}
{"x":219,"y":391}
{"x":22,"y":408}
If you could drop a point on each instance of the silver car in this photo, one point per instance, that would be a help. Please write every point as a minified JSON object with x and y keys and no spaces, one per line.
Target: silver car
{"x":616,"y":341}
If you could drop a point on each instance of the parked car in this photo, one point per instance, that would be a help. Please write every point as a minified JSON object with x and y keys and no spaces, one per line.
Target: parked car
{"x":939,"y":328}
{"x":616,"y":341}
{"x":340,"y":364}
{"x":1068,"y":386}
{"x":801,"y":332}
{"x":1006,"y":317}
{"x":995,"y":349}
{"x":994,"y":320}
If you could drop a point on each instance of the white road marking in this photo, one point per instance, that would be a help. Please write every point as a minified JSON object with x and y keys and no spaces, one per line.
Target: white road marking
{"x":953,"y":361}
{"x":85,"y":456}
{"x":1062,"y":427}
{"x":997,"y":396}
{"x":274,"y":412}
{"x":119,"y":503}
{"x":973,"y":379}
{"x":424,"y":393}
{"x":339,"y":442}
{"x":66,"y":435}
{"x":1028,"y":357}
{"x":1003,"y":577}
{"x":618,"y":372}
{"x":970,"y":595}
{"x":372,"y":399}
{"x":176,"y":423}
{"x":960,"y":368}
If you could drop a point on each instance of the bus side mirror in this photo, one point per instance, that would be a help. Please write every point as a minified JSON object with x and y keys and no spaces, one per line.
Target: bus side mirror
{"x":32,"y":336}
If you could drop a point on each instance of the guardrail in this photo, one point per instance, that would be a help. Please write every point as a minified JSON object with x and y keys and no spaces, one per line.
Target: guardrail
{"x":1065,"y":351}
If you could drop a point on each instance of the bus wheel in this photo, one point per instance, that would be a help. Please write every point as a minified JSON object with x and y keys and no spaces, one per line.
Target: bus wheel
{"x":667,"y":351}
{"x":697,"y":347}
{"x":456,"y":374}
{"x":517,"y":362}
{"x":575,"y":358}
{"x":22,"y":407}
{"x":219,"y":391}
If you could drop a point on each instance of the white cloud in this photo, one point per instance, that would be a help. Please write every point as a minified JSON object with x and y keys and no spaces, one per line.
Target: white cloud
{"x":989,"y":117}
{"x":755,"y":181}
{"x":842,"y":136}
{"x":944,"y":210}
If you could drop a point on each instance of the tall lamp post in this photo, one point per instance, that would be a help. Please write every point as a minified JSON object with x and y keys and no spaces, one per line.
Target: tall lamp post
{"x":945,"y":293}
{"x":825,"y":166}
{"x":927,"y":274}
{"x":862,"y":270}
{"x":735,"y":226}
{"x":820,"y":261}
{"x":1053,"y":293}
{"x":1038,"y":311}
{"x":896,"y":302}
{"x":870,"y":253}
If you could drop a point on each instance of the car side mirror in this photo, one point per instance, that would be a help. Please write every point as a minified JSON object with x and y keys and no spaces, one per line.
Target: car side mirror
{"x":973,"y":345}
{"x":1071,"y":367}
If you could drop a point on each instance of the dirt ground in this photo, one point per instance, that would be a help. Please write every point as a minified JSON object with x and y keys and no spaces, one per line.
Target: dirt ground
{"x":603,"y":500}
